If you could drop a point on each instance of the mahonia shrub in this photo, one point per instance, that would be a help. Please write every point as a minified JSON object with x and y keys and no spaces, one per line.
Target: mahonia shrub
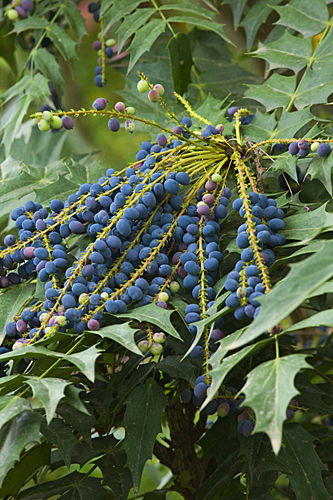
{"x":166,"y":327}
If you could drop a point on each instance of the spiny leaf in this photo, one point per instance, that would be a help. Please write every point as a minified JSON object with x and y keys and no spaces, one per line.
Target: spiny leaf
{"x":11,"y":302}
{"x":320,"y":168}
{"x":142,"y":422}
{"x":123,"y":334}
{"x":202,"y":23}
{"x":287,"y":52}
{"x":75,"y":19}
{"x":61,"y":435}
{"x":268,"y":390}
{"x":309,"y":17}
{"x":115,"y":474}
{"x":257,"y":14}
{"x":237,"y":7}
{"x":144,"y":39}
{"x":48,"y":65}
{"x":260,"y":128}
{"x":30,"y":23}
{"x":85,"y":361}
{"x":62,"y":42}
{"x":290,"y":123}
{"x":286,"y":164}
{"x":276,"y":92}
{"x":306,"y":226}
{"x":324,"y":52}
{"x":10,"y":406}
{"x":49,"y":391}
{"x":119,"y":10}
{"x":315,"y":87}
{"x":131,"y":24}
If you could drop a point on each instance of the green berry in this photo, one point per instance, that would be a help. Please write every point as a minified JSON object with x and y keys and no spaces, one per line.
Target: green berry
{"x":43,"y":125}
{"x":163,"y":296}
{"x":216,"y":178}
{"x":174,"y":286}
{"x":130,"y":110}
{"x":12,"y":15}
{"x":48,"y":330}
{"x":104,"y":295}
{"x":159,"y":337}
{"x":56,"y":122}
{"x":17,"y":345}
{"x":298,"y":416}
{"x":43,"y":317}
{"x":60,"y":320}
{"x":223,"y":409}
{"x":99,"y":53}
{"x":110,"y":42}
{"x":142,"y":86}
{"x":143,"y":346}
{"x":129,"y":125}
{"x":48,"y":116}
{"x":314,"y":146}
{"x":156,"y":349}
{"x":83,"y":297}
{"x":159,"y":88}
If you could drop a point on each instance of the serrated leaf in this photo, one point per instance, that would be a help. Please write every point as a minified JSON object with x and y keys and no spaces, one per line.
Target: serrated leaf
{"x":189,"y":8}
{"x":75,"y":19}
{"x":320,"y":168}
{"x":73,"y":399}
{"x":118,"y":10}
{"x":268,"y":390}
{"x":257,"y":14}
{"x":322,"y":318}
{"x":49,"y":391}
{"x":81,"y":422}
{"x":261,"y":127}
{"x":15,"y":436}
{"x":324,"y":52}
{"x":303,"y":278}
{"x":61,"y":435}
{"x":12,"y":126}
{"x":85,"y":361}
{"x":62,"y":188}
{"x":309,"y":17}
{"x":290,"y":123}
{"x":30,"y":23}
{"x":48,"y":65}
{"x":16,"y":89}
{"x":181,"y":62}
{"x":11,"y":302}
{"x":237,"y":7}
{"x":30,"y":351}
{"x":144,"y":39}
{"x":287,"y":52}
{"x":123,"y":334}
{"x":142,"y":422}
{"x":10,"y":406}
{"x":131,"y":24}
{"x":315,"y":87}
{"x":202,"y":23}
{"x":177,"y":367}
{"x":276,"y":92}
{"x":115,"y":474}
{"x":286,"y":164}
{"x":306,"y":226}
{"x":62,"y":42}
{"x":156,"y":316}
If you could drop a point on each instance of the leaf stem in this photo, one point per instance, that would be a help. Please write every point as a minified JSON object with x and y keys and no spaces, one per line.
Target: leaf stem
{"x":163,"y":16}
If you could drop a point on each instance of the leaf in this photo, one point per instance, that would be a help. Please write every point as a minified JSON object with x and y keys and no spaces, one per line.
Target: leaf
{"x":115,"y":474}
{"x":81,"y":422}
{"x":73,"y":399}
{"x":61,"y":435}
{"x":131,"y":24}
{"x":85,"y":361}
{"x":268,"y":390}
{"x":49,"y":391}
{"x":322,"y":318}
{"x":320,"y":168}
{"x":237,"y":7}
{"x":75,"y":19}
{"x":8,"y":47}
{"x":15,"y":435}
{"x":11,"y":302}
{"x":25,"y":469}
{"x":260,"y":128}
{"x":181,"y":62}
{"x":142,"y":422}
{"x":257,"y":14}
{"x":304,"y":277}
{"x":30,"y":23}
{"x":306,"y":226}
{"x":144,"y":39}
{"x":12,"y":126}
{"x":123,"y":334}
{"x":177,"y":367}
{"x":309,"y":17}
{"x":62,"y":188}
{"x":118,"y":10}
{"x":62,"y":42}
{"x":30,"y":351}
{"x":315,"y":87}
{"x":189,"y":8}
{"x":276,"y":92}
{"x":10,"y":406}
{"x":286,"y":164}
{"x":291,"y":123}
{"x":48,"y":65}
{"x":324,"y":53}
{"x":202,"y":23}
{"x":287,"y":52}
{"x":156,"y":316}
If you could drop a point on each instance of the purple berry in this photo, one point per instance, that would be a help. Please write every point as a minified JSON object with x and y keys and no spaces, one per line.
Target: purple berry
{"x":114,"y":125}
{"x":67,"y":122}
{"x":96,"y":45}
{"x":324,"y":149}
{"x":100,"y":104}
{"x":231,"y":111}
{"x":153,"y":96}
{"x":120,"y":106}
{"x":293,"y":148}
{"x":93,"y":325}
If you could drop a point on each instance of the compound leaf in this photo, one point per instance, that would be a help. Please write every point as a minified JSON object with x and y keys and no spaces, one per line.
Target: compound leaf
{"x":309,"y":17}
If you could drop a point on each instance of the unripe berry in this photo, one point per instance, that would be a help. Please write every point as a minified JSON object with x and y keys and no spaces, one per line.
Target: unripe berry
{"x":100,"y":104}
{"x":43,"y":317}
{"x":12,"y":16}
{"x":163,"y":296}
{"x":174,"y":286}
{"x":48,"y":116}
{"x":56,"y":122}
{"x":130,"y":110}
{"x":142,"y":86}
{"x":104,"y":295}
{"x":60,"y":320}
{"x":48,"y":330}
{"x":120,"y":106}
{"x":129,"y":126}
{"x":298,"y":416}
{"x":143,"y":346}
{"x":216,"y":178}
{"x":159,"y":337}
{"x":43,"y":125}
{"x":159,"y":88}
{"x":314,"y":146}
{"x":18,"y":344}
{"x":156,"y":349}
{"x":223,"y":409}
{"x":210,"y":185}
{"x":83,"y":297}
{"x":110,"y":42}
{"x":153,"y":96}
{"x":220,"y":128}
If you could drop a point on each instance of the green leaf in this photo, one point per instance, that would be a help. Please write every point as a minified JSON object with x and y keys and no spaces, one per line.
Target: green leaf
{"x":8,"y":47}
{"x":320,"y":168}
{"x":85,"y":361}
{"x":49,"y":391}
{"x":15,"y":435}
{"x":260,"y":128}
{"x":11,"y":302}
{"x":123,"y":334}
{"x":315,"y":87}
{"x":323,"y":318}
{"x":303,"y":278}
{"x":10,"y":406}
{"x":268,"y":390}
{"x":202,"y":23}
{"x":61,"y":435}
{"x":189,"y":8}
{"x":62,"y":187}
{"x":286,"y":164}
{"x":306,"y":226}
{"x":287,"y":52}
{"x":237,"y":7}
{"x":144,"y":39}
{"x":81,"y":422}
{"x":181,"y":62}
{"x":48,"y":65}
{"x":291,"y":123}
{"x":257,"y":14}
{"x":177,"y":367}
{"x":324,"y":52}
{"x":75,"y":19}
{"x":115,"y":474}
{"x":25,"y":469}
{"x":73,"y":399}
{"x":142,"y":422}
{"x":131,"y":24}
{"x":118,"y":10}
{"x":12,"y":126}
{"x":276,"y":92}
{"x":30,"y":23}
{"x":309,"y":17}
{"x":62,"y":42}
{"x":156,"y":316}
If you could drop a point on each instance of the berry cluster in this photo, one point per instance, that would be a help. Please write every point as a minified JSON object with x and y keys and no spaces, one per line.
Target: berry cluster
{"x":154,"y":94}
{"x":246,"y":119}
{"x":303,"y":148}
{"x":21,"y":11}
{"x":49,"y":121}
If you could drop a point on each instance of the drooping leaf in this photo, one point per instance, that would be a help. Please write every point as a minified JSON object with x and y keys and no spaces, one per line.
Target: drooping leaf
{"x":237,"y":7}
{"x":309,"y":17}
{"x":75,"y":19}
{"x":257,"y":14}
{"x":15,"y":435}
{"x":61,"y":435}
{"x":142,"y":422}
{"x":268,"y":390}
{"x":287,"y":52}
{"x":10,"y":406}
{"x":132,"y":23}
{"x":48,"y":65}
{"x":115,"y":474}
{"x":276,"y":92}
{"x":261,"y":127}
{"x":123,"y":334}
{"x":181,"y":61}
{"x":144,"y":39}
{"x":11,"y":302}
{"x":49,"y":391}
{"x":290,"y":123}
{"x":303,"y":278}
